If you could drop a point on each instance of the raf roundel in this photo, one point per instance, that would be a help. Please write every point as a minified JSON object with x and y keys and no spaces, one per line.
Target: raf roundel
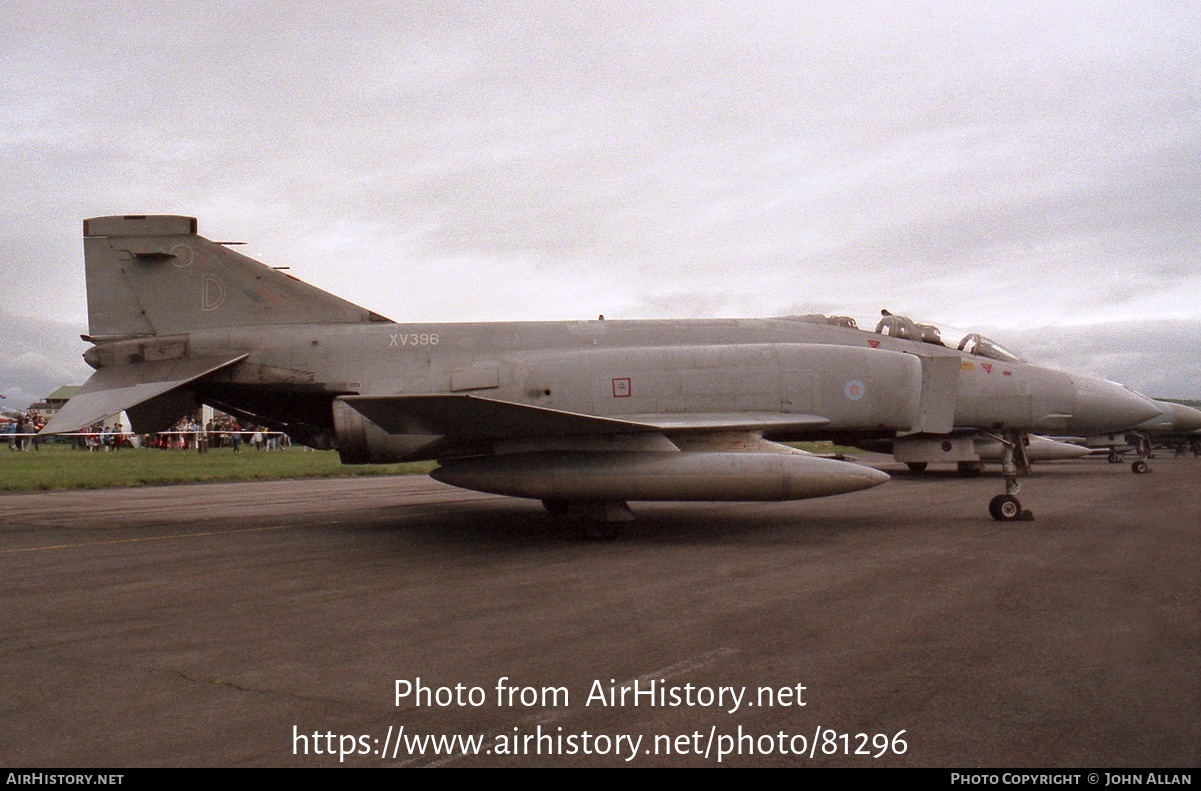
{"x":854,"y":390}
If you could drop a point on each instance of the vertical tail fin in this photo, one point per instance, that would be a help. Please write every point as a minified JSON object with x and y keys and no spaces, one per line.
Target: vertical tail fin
{"x":154,"y":275}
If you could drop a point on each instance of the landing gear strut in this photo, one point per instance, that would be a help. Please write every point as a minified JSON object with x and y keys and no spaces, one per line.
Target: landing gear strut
{"x":1006,"y":507}
{"x":1143,"y":447}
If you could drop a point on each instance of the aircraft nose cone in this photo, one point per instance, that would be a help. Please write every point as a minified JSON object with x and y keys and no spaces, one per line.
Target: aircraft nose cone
{"x":869,"y":476}
{"x":1103,"y":407}
{"x":1187,"y":419}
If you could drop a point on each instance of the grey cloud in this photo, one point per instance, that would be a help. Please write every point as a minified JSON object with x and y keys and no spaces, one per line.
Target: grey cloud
{"x":37,"y":357}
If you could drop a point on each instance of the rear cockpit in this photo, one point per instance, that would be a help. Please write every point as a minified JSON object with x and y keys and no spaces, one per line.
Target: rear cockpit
{"x":907,"y":329}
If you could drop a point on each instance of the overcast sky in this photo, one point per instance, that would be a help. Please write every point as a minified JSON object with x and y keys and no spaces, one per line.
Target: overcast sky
{"x":1019,"y":167}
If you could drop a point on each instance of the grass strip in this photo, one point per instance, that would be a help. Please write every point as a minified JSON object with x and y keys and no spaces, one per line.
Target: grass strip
{"x":56,"y":466}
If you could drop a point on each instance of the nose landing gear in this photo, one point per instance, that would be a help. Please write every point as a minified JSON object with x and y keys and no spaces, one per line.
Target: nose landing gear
{"x":1006,"y":507}
{"x":1144,"y":452}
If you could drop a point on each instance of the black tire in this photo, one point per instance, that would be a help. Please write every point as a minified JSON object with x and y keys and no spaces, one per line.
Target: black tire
{"x":917,"y":466}
{"x":1114,"y":458}
{"x":1139,"y":467}
{"x":1005,"y":508}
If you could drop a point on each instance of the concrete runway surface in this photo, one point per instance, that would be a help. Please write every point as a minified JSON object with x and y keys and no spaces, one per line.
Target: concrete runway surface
{"x":267,"y":624}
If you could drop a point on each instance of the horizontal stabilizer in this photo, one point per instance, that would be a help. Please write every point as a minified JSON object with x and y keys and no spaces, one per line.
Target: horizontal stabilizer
{"x":472,"y":417}
{"x":118,"y":388}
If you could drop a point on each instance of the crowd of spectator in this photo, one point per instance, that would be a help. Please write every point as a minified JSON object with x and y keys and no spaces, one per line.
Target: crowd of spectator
{"x":22,"y":430}
{"x":187,"y":434}
{"x":221,"y":432}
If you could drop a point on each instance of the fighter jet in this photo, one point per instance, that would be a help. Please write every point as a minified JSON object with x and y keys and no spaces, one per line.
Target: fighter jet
{"x":582,"y":415}
{"x":989,"y":449}
{"x":1174,"y":423}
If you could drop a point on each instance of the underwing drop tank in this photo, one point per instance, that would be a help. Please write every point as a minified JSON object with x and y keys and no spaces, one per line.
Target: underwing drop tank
{"x":652,"y":475}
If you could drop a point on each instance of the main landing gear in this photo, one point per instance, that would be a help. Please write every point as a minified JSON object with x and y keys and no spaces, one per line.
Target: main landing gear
{"x":1006,"y":507}
{"x":597,"y":521}
{"x":1142,"y":447}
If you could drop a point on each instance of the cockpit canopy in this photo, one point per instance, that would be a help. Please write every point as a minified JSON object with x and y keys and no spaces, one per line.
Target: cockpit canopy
{"x":977,"y":344}
{"x":907,"y":329}
{"x":973,"y":343}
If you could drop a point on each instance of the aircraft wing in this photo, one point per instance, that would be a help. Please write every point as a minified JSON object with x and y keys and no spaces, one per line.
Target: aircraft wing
{"x":472,"y":417}
{"x":706,"y":422}
{"x":118,"y":388}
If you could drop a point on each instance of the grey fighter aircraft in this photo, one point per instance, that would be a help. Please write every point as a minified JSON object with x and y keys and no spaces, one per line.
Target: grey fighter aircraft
{"x":582,"y":415}
{"x":986,"y":448}
{"x":1174,"y":423}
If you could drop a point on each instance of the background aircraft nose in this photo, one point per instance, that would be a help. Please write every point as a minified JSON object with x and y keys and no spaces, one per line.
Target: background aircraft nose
{"x":1185,"y":418}
{"x":1103,"y":407}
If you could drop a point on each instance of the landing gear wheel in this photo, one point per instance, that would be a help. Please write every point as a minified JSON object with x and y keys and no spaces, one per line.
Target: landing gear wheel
{"x":1005,"y":508}
{"x":916,"y":466}
{"x":1140,"y":467}
{"x":1114,"y":458}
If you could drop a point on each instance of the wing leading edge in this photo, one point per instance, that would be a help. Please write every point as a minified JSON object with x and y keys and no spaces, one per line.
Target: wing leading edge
{"x":475,"y":418}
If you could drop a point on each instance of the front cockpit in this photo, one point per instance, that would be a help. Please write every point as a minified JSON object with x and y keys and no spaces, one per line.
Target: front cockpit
{"x":979,"y":345}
